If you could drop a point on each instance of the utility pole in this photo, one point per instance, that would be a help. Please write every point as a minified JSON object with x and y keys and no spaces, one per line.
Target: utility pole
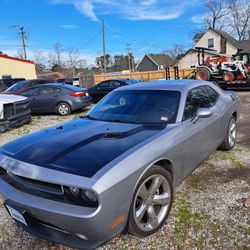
{"x":104,"y":47}
{"x":24,"y":42}
{"x":129,"y":58}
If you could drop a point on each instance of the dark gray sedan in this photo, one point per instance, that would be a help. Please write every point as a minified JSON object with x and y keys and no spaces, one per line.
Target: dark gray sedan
{"x":57,"y":98}
{"x":82,"y":182}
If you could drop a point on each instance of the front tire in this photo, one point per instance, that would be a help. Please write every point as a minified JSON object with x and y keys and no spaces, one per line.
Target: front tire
{"x":151,"y":202}
{"x":63,"y":109}
{"x":230,"y":138}
{"x":203,"y":74}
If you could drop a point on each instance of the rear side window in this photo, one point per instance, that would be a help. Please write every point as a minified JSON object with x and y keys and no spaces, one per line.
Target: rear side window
{"x":200,"y":97}
{"x":115,"y":84}
{"x":49,"y":90}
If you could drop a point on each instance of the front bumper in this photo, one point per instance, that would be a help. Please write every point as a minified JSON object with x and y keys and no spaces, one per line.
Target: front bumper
{"x":62,"y":222}
{"x":15,"y":121}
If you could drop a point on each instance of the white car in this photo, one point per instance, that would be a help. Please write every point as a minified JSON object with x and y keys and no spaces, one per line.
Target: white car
{"x":14,"y":111}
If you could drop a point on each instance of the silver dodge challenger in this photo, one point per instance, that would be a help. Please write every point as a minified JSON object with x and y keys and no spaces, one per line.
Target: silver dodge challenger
{"x":82,"y":182}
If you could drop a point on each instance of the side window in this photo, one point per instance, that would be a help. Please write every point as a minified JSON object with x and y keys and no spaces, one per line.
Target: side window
{"x":30,"y":92}
{"x":103,"y":85}
{"x":212,"y":94}
{"x":210,"y":42}
{"x":196,"y":98}
{"x":47,"y":90}
{"x":114,"y":84}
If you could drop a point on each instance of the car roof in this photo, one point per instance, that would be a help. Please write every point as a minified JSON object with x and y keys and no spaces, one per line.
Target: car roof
{"x":177,"y":85}
{"x":63,"y":85}
{"x":126,"y":80}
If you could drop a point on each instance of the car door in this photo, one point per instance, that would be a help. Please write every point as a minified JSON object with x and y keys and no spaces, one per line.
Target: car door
{"x":32,"y":94}
{"x":201,"y":138}
{"x":47,"y":98}
{"x":101,"y":90}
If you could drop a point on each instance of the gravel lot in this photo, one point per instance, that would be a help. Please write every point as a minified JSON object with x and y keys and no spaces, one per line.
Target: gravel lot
{"x":211,"y":209}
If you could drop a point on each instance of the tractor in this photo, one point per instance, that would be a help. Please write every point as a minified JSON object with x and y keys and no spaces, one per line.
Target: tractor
{"x":221,"y":67}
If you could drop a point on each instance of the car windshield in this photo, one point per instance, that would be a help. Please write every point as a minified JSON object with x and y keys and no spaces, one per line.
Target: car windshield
{"x":17,"y":86}
{"x":138,"y":106}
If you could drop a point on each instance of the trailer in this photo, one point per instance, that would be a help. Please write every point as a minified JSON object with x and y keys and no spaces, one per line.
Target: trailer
{"x":237,"y":84}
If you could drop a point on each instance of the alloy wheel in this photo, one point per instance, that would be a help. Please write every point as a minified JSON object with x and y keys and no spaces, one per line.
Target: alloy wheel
{"x":63,"y":109}
{"x":232,"y":133}
{"x":151,"y":202}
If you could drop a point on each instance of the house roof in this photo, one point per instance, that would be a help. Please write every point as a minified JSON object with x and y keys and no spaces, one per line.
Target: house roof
{"x":15,"y":59}
{"x":161,"y":59}
{"x":227,"y":36}
{"x":245,"y":45}
{"x":198,"y":36}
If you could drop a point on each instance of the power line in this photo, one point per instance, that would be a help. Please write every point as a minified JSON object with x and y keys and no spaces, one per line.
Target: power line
{"x":134,"y":39}
{"x":91,"y":40}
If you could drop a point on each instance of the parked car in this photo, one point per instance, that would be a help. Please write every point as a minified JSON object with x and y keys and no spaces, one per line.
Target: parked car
{"x":70,"y":80}
{"x":57,"y":98}
{"x":103,"y":88}
{"x":14,"y":111}
{"x":8,"y":82}
{"x":82,"y":182}
{"x":19,"y":87}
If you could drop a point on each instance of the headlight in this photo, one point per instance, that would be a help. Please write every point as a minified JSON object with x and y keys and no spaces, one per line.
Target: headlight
{"x":85,"y":197}
{"x":91,"y":195}
{"x":75,"y":191}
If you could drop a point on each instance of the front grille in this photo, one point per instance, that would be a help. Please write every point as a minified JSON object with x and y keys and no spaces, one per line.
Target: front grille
{"x":21,"y":107}
{"x":12,"y":109}
{"x":8,"y":110}
{"x":31,"y":185}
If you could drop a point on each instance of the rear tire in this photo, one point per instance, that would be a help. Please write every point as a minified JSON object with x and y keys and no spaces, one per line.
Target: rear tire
{"x":230,"y":138}
{"x":151,"y":203}
{"x":63,"y":109}
{"x":228,"y":77}
{"x":203,"y":74}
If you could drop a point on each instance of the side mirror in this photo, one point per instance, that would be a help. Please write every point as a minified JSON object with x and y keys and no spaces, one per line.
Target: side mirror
{"x":202,"y":113}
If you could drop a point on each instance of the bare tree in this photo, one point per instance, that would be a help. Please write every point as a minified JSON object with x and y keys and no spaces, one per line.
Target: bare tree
{"x":39,"y":60}
{"x":176,"y":50}
{"x":58,"y":50}
{"x":38,"y":56}
{"x":20,"y":54}
{"x":217,"y":10}
{"x":240,"y":18}
{"x":73,"y":57}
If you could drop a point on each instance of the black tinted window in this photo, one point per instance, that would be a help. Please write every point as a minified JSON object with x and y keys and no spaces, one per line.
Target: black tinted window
{"x":196,"y":98}
{"x":138,"y":106}
{"x":114,"y":84}
{"x":103,"y":85}
{"x":213,"y":95}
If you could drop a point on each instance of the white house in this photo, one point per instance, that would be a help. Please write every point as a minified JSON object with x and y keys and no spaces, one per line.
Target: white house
{"x":219,"y":41}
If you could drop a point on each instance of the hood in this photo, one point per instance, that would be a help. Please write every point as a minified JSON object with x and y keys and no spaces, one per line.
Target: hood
{"x":81,"y":146}
{"x":11,"y":98}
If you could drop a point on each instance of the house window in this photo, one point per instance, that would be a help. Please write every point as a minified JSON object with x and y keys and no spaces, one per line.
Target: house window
{"x":210,"y":43}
